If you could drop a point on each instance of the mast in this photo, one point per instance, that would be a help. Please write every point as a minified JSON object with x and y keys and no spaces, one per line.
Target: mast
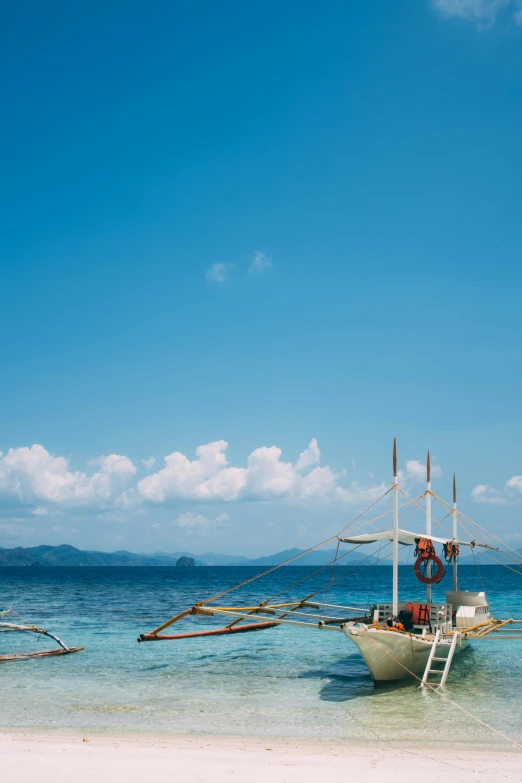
{"x":454,"y":515}
{"x":395,"y":590}
{"x":428,"y":522}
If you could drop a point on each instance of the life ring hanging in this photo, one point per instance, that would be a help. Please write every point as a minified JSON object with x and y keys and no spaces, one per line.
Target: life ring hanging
{"x":429,"y":580}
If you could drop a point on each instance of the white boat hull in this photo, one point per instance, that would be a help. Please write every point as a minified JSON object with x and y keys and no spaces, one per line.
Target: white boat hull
{"x":392,"y":656}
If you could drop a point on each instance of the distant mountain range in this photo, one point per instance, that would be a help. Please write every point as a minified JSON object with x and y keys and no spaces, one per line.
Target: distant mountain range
{"x":70,"y":556}
{"x":319,"y":557}
{"x":66,"y":555}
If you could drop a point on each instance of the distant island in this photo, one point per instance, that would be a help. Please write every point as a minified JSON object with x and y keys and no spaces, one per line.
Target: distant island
{"x":185,"y":562}
{"x":66,"y":555}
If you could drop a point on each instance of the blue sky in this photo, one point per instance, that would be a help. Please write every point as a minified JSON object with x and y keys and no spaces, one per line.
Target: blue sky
{"x":261,"y":224}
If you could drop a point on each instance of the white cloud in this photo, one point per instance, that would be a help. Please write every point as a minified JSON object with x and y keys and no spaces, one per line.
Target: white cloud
{"x":30,"y":475}
{"x":514,"y":484}
{"x":310,"y":456}
{"x":357,"y":494}
{"x":482,"y":12}
{"x":483,"y":493}
{"x":260,"y":264}
{"x":416,"y":472}
{"x":512,"y":493}
{"x":206,"y":478}
{"x":45,"y":484}
{"x":219,"y":273}
{"x":266,"y":477}
{"x":149,"y":463}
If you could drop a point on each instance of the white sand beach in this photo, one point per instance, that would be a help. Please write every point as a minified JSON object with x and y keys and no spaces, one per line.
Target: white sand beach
{"x":89,"y":758}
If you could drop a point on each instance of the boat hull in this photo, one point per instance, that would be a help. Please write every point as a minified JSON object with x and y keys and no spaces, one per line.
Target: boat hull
{"x":392,"y":656}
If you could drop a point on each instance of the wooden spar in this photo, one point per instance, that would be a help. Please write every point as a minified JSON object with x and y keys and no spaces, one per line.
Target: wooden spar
{"x":295,"y":609}
{"x":255,"y":608}
{"x":278,"y":621}
{"x":242,"y":615}
{"x":253,"y":611}
{"x":33,"y":629}
{"x":198,"y":609}
{"x":280,"y":616}
{"x":172,"y":620}
{"x":39,"y":654}
{"x":314,"y":605}
{"x":13,"y":627}
{"x":245,"y":612}
{"x":499,"y":624}
{"x":216,"y":632}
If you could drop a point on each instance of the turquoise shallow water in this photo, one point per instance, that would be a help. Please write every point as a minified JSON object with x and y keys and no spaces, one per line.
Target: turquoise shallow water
{"x":285,"y":682}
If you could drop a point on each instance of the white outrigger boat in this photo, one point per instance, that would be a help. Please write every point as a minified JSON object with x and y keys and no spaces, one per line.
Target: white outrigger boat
{"x":399,"y":640}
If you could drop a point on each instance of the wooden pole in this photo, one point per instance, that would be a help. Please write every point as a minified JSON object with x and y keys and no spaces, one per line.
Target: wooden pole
{"x":428,"y":522}
{"x":395,"y":586}
{"x":454,"y":515}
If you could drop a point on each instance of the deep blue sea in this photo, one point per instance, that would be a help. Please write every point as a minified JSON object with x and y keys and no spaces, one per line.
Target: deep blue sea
{"x":283,"y":681}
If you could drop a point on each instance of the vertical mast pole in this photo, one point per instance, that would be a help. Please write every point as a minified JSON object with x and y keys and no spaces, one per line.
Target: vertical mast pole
{"x":395,"y":591}
{"x":454,"y":515}
{"x":428,"y":522}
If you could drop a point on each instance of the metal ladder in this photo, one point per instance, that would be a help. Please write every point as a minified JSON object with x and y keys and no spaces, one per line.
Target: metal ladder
{"x":443,"y":673}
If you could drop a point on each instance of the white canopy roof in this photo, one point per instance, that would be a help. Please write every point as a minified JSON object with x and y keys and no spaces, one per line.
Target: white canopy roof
{"x":405,"y":537}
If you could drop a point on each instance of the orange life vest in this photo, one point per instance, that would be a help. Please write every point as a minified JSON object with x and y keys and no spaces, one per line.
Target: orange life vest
{"x":424,"y":549}
{"x":420,"y":613}
{"x":450,"y":550}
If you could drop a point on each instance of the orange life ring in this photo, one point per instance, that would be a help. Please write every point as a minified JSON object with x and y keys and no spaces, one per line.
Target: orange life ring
{"x":429,"y":580}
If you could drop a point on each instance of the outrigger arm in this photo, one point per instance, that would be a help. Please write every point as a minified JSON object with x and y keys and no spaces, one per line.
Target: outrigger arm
{"x":14,"y":627}
{"x":278,"y":614}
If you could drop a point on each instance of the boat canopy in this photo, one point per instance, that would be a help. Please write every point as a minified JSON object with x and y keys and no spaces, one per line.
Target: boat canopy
{"x":406,"y":538}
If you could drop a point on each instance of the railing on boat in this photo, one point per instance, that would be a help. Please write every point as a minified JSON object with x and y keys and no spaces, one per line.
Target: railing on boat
{"x":439,"y":614}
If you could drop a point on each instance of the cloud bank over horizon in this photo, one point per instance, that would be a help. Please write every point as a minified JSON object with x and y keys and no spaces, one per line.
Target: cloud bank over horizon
{"x":42,"y":492}
{"x":32,"y":478}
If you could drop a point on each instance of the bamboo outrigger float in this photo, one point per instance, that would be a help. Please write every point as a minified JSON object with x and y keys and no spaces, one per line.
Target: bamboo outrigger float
{"x":398,"y":640}
{"x":32,"y":630}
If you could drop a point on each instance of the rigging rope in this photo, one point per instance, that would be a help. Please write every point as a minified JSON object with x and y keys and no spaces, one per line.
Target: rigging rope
{"x":294,"y":557}
{"x":482,"y":529}
{"x":352,"y":573}
{"x":443,"y":696}
{"x":308,"y":576}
